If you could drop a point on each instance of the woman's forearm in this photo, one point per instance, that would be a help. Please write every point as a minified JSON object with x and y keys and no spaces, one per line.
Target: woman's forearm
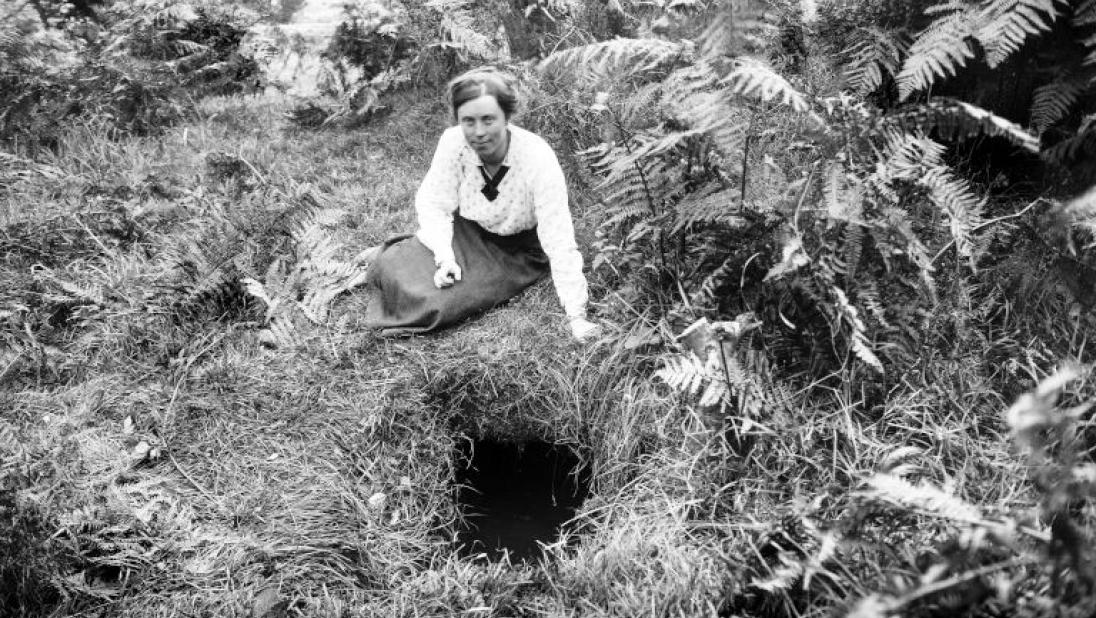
{"x":437,"y":235}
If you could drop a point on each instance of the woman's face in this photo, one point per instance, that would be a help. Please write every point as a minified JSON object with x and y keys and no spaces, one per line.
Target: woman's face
{"x":484,"y":127}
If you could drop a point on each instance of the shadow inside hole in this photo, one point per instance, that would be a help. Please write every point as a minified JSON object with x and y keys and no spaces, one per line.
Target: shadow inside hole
{"x":514,"y":494}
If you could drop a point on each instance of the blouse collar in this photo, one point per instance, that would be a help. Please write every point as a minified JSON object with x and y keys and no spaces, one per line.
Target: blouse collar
{"x":514,"y":144}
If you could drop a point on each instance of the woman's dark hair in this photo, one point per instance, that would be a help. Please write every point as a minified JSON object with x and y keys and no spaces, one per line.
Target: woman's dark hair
{"x":483,"y":81}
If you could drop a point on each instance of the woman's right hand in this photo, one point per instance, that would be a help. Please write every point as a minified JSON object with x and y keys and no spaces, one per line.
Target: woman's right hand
{"x":583,"y":329}
{"x":447,"y":274}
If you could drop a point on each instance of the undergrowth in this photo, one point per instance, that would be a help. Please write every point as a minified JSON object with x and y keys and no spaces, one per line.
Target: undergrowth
{"x":838,"y":376}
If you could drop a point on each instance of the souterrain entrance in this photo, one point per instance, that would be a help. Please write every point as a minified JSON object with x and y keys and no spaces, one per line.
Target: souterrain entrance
{"x":514,"y":494}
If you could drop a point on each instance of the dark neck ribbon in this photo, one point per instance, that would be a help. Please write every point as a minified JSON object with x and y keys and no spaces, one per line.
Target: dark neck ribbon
{"x":490,"y":188}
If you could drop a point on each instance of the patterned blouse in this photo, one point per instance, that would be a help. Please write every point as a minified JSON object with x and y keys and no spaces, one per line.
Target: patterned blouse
{"x":533,"y":193}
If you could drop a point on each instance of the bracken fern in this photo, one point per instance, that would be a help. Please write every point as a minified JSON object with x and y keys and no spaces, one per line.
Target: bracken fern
{"x":685,"y":182}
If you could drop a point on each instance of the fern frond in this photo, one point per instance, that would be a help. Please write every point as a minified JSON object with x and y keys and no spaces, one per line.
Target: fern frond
{"x":711,"y":371}
{"x":939,"y":51}
{"x":725,"y":125}
{"x":858,"y":339}
{"x":1007,"y":24}
{"x":957,"y":119}
{"x":281,"y":332}
{"x":712,"y":205}
{"x":1054,"y":101}
{"x":894,"y":224}
{"x":639,"y":108}
{"x":323,"y":278}
{"x":1079,"y":148}
{"x":258,"y":290}
{"x":624,"y":213}
{"x":867,"y":292}
{"x":459,"y":28}
{"x":684,"y":373}
{"x":644,"y":148}
{"x":906,"y":156}
{"x":878,"y":53}
{"x":183,"y":47}
{"x":853,"y":249}
{"x":714,"y":392}
{"x":922,"y":498}
{"x":955,"y":197}
{"x":751,"y":77}
{"x":696,"y":96}
{"x":704,"y":295}
{"x":646,"y":181}
{"x":691,"y":92}
{"x":643,"y":189}
{"x":618,"y":58}
{"x":737,"y":27}
{"x":326,"y":287}
{"x":1084,"y":14}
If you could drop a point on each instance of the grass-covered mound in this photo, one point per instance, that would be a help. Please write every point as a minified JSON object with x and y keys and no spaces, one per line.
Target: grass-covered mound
{"x":170,"y":462}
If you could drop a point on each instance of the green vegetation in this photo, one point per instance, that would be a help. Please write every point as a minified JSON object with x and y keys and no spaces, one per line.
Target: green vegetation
{"x":847,"y":299}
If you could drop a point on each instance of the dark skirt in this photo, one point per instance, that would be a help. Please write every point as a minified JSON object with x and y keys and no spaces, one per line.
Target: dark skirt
{"x":404,"y":301}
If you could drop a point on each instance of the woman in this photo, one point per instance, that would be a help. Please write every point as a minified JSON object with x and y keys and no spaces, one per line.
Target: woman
{"x":493,"y":219}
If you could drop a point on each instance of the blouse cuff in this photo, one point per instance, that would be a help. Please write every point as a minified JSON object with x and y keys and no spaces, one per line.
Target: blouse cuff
{"x":575,"y":310}
{"x":440,"y":247}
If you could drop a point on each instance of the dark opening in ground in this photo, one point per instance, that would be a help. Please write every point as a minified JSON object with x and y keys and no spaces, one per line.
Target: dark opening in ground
{"x":515,"y":494}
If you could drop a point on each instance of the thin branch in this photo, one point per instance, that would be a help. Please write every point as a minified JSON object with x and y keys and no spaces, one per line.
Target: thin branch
{"x":986,"y":224}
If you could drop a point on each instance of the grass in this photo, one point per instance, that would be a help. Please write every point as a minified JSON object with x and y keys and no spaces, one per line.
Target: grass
{"x":160,"y":461}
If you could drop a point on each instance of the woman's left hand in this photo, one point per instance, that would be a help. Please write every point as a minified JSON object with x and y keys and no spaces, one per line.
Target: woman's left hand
{"x":584,"y":329}
{"x":447,"y":274}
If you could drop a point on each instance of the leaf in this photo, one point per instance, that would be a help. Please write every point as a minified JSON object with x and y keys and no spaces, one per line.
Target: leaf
{"x":793,"y":257}
{"x":876,"y":54}
{"x":1052,"y":102}
{"x":958,"y":119}
{"x":955,"y":197}
{"x":683,"y":373}
{"x":922,"y":498}
{"x":1007,"y":24}
{"x":752,"y":77}
{"x":257,"y":290}
{"x":643,"y":337}
{"x":858,"y":340}
{"x":940,"y":50}
{"x":617,"y":58}
{"x":714,"y":392}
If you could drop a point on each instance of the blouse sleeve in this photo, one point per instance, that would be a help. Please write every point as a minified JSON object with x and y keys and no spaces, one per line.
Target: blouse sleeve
{"x":436,"y":199}
{"x":557,"y":235}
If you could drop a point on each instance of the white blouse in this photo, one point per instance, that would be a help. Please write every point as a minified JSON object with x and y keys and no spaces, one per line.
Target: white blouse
{"x":533,"y":193}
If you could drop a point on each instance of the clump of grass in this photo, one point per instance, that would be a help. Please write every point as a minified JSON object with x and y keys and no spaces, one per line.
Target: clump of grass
{"x":194,"y":384}
{"x":31,"y":559}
